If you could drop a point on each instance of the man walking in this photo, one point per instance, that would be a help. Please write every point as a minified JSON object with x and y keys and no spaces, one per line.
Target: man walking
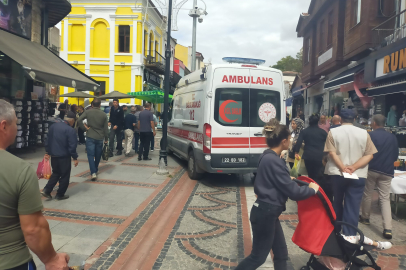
{"x":380,"y":174}
{"x":139,"y":109}
{"x":63,"y":109}
{"x":350,"y":150}
{"x":116,"y":124}
{"x":130,"y":122}
{"x":60,"y":146}
{"x":96,"y":132}
{"x":156,"y":124}
{"x":146,"y":126}
{"x":22,"y":224}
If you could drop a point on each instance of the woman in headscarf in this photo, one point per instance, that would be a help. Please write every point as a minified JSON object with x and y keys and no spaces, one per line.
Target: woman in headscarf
{"x":297,"y":127}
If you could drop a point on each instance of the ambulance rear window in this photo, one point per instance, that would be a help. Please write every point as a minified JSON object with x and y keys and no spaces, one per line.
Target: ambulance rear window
{"x":232,"y":107}
{"x":264,"y":105}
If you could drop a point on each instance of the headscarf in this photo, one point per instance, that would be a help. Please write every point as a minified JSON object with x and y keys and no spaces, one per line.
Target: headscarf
{"x":299,"y":127}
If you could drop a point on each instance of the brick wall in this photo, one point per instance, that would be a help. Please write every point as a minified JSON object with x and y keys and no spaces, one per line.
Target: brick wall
{"x":36,"y":21}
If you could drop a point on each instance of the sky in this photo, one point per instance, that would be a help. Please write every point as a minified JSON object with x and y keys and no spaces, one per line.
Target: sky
{"x":263,"y":29}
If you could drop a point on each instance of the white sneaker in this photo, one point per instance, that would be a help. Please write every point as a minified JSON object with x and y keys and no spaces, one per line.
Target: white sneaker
{"x":384,"y":245}
{"x":94,"y":176}
{"x":152,"y":150}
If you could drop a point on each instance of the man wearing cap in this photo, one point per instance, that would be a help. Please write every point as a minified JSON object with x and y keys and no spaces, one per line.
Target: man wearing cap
{"x":60,"y":146}
{"x":129,"y":124}
{"x":349,"y":149}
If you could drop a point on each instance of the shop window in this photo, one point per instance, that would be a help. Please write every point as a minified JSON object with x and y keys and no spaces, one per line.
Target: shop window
{"x":330,"y":29}
{"x":321,"y":38}
{"x":124,"y":39}
{"x":356,"y":12}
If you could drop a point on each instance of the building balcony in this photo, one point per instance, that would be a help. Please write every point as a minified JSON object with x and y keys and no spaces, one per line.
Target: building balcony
{"x":155,"y":61}
{"x":390,"y":31}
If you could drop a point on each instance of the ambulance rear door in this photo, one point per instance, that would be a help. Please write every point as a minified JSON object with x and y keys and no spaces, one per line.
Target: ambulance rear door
{"x":230,"y":119}
{"x":266,"y":99}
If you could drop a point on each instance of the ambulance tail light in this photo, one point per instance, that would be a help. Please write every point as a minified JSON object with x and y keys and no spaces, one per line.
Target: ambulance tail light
{"x":206,"y":139}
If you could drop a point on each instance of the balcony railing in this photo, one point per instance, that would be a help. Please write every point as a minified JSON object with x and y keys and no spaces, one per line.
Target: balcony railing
{"x":153,"y":57}
{"x":390,"y":31}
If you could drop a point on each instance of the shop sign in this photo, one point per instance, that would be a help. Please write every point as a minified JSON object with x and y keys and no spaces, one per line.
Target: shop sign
{"x":20,"y":94}
{"x":16,"y":17}
{"x":325,"y":57}
{"x":151,"y":78}
{"x":391,"y":63}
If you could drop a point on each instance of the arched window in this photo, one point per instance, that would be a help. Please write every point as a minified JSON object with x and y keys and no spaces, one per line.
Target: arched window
{"x":101,"y":40}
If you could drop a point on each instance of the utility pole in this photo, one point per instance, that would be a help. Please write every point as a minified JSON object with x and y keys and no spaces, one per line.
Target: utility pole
{"x":163,"y":153}
{"x":194,"y":13}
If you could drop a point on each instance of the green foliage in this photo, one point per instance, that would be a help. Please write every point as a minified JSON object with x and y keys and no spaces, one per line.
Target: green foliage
{"x":289,"y":63}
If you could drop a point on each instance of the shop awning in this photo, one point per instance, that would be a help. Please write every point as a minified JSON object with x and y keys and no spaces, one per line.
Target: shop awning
{"x":343,"y":78}
{"x":392,"y":88}
{"x":297,"y":91}
{"x":42,"y":65}
{"x":155,"y":96}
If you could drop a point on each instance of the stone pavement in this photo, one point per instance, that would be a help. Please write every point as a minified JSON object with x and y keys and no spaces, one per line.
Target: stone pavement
{"x":131,"y":218}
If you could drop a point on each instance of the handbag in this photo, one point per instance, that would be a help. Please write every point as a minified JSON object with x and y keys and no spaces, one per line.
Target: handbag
{"x":105,"y":152}
{"x":39,"y":168}
{"x":46,"y":170}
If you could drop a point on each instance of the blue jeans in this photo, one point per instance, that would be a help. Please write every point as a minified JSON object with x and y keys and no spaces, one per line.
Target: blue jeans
{"x":94,"y":153}
{"x":347,"y":201}
{"x":136,"y":141}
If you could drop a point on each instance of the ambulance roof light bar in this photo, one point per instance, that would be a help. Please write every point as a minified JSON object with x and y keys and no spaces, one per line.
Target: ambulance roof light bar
{"x":238,"y":60}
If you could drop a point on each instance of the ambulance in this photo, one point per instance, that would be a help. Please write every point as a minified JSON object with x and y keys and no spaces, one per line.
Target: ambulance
{"x":218,"y":114}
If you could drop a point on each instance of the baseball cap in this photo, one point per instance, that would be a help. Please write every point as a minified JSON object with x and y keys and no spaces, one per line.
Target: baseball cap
{"x":71,"y":114}
{"x":347,"y":114}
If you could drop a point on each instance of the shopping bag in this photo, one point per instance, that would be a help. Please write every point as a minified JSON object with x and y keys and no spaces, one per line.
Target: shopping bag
{"x":40,"y":168}
{"x":106,"y":152}
{"x":294,"y":172}
{"x":46,"y":170}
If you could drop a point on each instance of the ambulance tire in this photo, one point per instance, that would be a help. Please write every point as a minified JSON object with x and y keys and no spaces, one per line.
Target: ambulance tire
{"x":192,"y":167}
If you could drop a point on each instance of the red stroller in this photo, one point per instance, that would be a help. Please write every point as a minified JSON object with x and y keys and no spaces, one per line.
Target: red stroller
{"x":316,"y":233}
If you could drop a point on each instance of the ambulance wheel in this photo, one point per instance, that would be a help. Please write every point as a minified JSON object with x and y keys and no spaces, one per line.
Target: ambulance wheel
{"x":191,"y":167}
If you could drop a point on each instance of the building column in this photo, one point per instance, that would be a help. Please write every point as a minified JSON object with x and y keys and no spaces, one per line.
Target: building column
{"x":112,"y":53}
{"x":87,"y":46}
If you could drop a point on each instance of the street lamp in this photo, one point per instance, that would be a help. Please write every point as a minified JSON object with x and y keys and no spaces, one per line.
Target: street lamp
{"x":163,"y":154}
{"x":195,"y":13}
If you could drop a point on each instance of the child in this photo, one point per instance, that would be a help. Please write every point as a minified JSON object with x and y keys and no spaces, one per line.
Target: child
{"x":273,"y":186}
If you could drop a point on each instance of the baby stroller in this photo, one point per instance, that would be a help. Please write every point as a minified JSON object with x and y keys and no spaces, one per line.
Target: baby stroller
{"x":318,"y":233}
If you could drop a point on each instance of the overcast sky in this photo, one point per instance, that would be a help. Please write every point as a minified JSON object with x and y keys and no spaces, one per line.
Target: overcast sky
{"x":253,"y":29}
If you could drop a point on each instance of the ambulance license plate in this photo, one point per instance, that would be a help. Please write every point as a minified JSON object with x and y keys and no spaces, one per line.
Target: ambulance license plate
{"x":233,"y":160}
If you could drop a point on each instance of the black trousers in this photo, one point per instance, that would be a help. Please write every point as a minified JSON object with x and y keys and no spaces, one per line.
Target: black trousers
{"x":61,"y":167}
{"x":27,"y":266}
{"x":267,"y":234}
{"x":314,"y":168}
{"x":81,"y":135}
{"x":145,"y":138}
{"x":118,"y":134}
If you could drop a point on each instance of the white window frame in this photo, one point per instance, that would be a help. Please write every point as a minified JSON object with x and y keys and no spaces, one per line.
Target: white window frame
{"x":359,"y":12}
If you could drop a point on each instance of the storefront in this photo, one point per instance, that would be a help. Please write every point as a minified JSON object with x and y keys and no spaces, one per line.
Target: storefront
{"x":297,"y":100}
{"x":29,"y":72}
{"x":385,"y":70}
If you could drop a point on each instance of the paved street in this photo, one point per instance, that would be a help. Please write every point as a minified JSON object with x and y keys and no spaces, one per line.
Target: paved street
{"x":132,"y":218}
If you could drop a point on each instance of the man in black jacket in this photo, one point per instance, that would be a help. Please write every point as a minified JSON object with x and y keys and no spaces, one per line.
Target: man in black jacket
{"x":61,"y":147}
{"x":380,"y":173}
{"x":116,"y":124}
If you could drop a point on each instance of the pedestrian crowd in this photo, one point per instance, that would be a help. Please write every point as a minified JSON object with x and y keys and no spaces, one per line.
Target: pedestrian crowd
{"x":345,"y":160}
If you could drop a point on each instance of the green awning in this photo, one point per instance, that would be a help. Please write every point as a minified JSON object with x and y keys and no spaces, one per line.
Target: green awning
{"x":155,"y":96}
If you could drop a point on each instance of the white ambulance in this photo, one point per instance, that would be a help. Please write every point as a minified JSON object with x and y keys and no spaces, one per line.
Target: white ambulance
{"x":218,"y":114}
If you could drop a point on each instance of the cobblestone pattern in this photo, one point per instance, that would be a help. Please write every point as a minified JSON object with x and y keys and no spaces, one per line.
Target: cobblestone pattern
{"x":101,"y":169}
{"x":91,"y":218}
{"x":124,"y":183}
{"x":107,"y":259}
{"x":145,"y":165}
{"x":208,"y":233}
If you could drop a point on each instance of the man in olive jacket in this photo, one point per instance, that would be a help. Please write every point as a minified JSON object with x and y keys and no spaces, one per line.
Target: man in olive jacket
{"x":96,"y":131}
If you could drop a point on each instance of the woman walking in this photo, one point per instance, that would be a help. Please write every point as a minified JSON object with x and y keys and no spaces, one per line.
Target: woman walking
{"x":273,"y":186}
{"x":314,"y":139}
{"x":297,"y":127}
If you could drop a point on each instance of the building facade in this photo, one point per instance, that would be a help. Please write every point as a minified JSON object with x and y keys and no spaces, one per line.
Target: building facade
{"x":115,"y":43}
{"x":184,"y":54}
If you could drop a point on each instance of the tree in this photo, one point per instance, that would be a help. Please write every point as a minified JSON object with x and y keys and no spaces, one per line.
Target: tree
{"x":289,"y":63}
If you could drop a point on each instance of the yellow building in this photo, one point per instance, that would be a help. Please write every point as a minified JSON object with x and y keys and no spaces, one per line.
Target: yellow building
{"x":112,"y":41}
